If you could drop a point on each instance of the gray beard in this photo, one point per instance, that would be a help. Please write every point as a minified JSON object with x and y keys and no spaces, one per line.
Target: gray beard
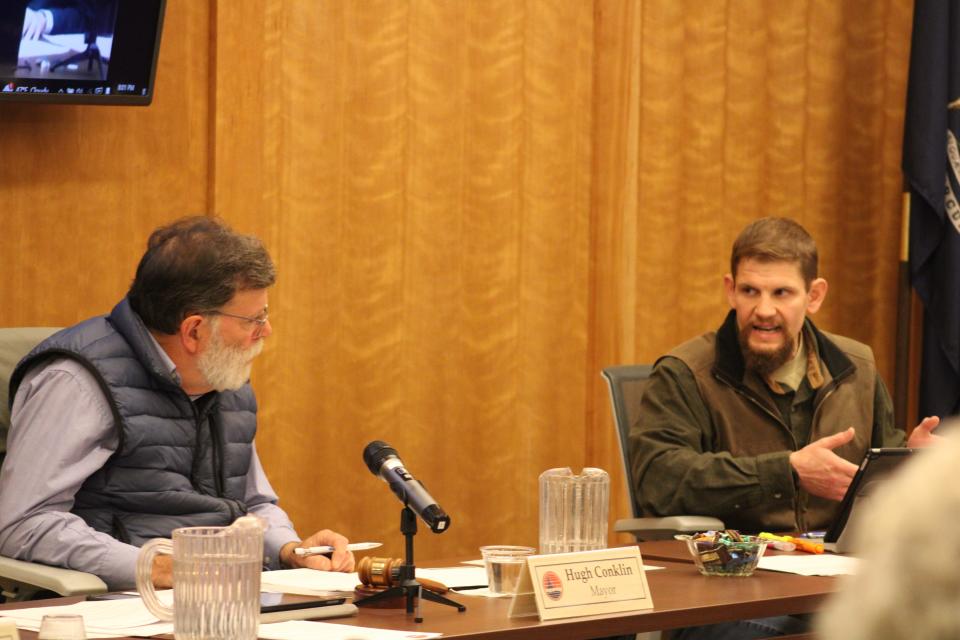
{"x":764,"y":363}
{"x":226,"y":367}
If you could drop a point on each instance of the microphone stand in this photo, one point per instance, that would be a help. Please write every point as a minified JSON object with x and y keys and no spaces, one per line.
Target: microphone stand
{"x":408,"y":586}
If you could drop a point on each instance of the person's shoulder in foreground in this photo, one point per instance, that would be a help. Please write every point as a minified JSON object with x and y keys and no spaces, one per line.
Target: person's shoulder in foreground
{"x":907,"y":582}
{"x":160,"y":414}
{"x":763,"y":422}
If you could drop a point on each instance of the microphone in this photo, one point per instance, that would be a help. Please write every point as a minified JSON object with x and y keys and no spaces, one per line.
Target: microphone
{"x":383,"y":461}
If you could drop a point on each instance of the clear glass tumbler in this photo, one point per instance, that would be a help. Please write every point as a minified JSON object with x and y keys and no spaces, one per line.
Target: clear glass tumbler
{"x":573,"y":510}
{"x":62,"y":627}
{"x":504,"y":564}
{"x":216,"y":581}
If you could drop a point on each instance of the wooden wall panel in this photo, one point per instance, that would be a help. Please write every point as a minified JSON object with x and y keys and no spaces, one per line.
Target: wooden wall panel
{"x":81,"y":187}
{"x":745,"y":110}
{"x":428,"y":167}
{"x":473,"y":206}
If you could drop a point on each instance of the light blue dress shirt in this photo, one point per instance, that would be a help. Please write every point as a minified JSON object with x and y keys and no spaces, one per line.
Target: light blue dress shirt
{"x":62,"y":431}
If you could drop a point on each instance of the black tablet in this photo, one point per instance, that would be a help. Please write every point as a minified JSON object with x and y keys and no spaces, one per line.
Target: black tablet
{"x":876,"y":466}
{"x":271,"y":602}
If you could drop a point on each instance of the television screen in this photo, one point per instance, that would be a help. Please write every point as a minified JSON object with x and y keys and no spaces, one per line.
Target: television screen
{"x":79,"y":51}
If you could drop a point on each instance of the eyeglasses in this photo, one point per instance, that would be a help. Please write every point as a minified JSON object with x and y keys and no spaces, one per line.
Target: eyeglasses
{"x":260,"y":320}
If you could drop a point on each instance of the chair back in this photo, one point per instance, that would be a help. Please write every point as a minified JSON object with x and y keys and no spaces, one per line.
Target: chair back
{"x":626,"y":384}
{"x":21,"y":580}
{"x":15,"y":343}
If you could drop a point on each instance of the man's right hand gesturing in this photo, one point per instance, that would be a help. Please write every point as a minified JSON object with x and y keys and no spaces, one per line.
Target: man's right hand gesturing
{"x":822,"y":472}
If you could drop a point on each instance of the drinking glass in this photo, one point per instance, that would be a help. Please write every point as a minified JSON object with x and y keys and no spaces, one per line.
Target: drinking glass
{"x":62,"y":627}
{"x":504,"y":564}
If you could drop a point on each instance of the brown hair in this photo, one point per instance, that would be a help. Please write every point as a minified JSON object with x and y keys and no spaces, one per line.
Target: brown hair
{"x":776,"y":240}
{"x":195,"y":265}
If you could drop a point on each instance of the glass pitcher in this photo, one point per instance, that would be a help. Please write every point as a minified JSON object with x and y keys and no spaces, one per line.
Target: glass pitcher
{"x":216,"y":580}
{"x":573,"y":510}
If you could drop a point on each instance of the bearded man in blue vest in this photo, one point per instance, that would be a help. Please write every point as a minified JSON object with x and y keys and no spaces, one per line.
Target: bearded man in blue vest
{"x":129,"y":425}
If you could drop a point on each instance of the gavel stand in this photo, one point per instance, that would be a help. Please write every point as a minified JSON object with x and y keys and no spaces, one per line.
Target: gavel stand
{"x":408,"y":586}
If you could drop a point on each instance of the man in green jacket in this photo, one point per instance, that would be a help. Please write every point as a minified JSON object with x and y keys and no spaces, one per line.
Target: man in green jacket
{"x":763,"y":422}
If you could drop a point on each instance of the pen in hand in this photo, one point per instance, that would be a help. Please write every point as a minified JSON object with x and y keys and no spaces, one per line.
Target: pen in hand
{"x":356,"y":546}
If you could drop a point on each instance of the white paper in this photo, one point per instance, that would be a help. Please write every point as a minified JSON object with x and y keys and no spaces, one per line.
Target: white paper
{"x":307,"y":630}
{"x":308,"y":582}
{"x":102,"y":619}
{"x":455,"y":576}
{"x":822,"y":564}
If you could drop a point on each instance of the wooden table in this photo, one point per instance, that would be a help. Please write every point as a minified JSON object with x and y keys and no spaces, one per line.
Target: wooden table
{"x":682,"y":597}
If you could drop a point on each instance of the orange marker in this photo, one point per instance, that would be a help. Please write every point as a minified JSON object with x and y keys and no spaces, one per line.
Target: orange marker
{"x":803,"y":545}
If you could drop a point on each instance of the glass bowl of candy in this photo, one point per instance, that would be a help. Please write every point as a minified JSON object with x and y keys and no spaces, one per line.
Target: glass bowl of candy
{"x":725,"y":553}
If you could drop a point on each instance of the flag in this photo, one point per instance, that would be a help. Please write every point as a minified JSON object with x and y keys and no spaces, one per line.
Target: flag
{"x":931,"y":165}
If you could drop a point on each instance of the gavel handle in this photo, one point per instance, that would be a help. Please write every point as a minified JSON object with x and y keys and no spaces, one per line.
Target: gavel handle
{"x":433,"y":585}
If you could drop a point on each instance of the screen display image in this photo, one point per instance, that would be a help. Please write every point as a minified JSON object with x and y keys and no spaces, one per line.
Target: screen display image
{"x":69,"y":40}
{"x":81,"y":51}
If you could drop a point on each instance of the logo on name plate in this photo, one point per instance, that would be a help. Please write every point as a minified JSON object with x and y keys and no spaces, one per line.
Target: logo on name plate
{"x":552,"y":586}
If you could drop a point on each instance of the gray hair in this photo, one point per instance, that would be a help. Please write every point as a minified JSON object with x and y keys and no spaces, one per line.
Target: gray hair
{"x":195,"y":265}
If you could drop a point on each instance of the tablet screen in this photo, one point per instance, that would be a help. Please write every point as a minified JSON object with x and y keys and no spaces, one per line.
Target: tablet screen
{"x":876,"y":466}
{"x":271,"y":602}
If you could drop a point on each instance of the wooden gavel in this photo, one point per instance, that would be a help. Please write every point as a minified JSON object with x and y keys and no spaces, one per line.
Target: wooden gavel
{"x":385,"y":572}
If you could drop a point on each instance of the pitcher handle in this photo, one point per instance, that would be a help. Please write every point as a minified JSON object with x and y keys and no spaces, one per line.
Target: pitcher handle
{"x":144,"y":576}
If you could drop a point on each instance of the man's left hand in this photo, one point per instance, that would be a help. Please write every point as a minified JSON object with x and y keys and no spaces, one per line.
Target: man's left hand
{"x":340,"y":560}
{"x":922,"y":435}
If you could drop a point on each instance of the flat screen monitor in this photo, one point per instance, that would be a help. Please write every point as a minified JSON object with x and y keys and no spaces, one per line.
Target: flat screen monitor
{"x":79,"y":51}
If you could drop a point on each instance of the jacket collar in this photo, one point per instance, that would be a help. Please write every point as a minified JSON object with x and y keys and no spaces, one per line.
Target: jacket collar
{"x":135,"y":332}
{"x":730,"y":363}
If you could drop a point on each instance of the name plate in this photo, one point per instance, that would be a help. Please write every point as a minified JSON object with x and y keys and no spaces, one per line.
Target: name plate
{"x":8,"y":630}
{"x":565,"y":585}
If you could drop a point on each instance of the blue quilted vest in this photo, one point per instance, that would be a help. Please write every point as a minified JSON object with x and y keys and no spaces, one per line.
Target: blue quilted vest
{"x":179,"y":462}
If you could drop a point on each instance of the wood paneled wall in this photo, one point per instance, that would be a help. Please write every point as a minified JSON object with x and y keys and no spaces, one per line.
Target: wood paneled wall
{"x":721,"y":112}
{"x":473,"y":207}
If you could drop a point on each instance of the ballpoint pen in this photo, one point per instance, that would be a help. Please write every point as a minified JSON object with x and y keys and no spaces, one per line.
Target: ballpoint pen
{"x":468,"y":587}
{"x":356,"y":546}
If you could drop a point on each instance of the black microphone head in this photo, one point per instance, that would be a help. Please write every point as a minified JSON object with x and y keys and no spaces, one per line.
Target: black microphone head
{"x":375,"y":453}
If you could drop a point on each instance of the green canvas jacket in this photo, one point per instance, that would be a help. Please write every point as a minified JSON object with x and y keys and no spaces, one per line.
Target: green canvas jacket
{"x":713,"y":439}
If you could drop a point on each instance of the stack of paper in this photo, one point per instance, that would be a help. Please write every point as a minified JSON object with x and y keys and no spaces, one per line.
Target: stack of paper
{"x":103,"y":619}
{"x":129,"y":617}
{"x":308,"y":582}
{"x":825,"y":564}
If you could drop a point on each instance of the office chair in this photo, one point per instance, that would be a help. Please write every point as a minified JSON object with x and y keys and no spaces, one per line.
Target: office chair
{"x":21,"y":580}
{"x":626,"y":385}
